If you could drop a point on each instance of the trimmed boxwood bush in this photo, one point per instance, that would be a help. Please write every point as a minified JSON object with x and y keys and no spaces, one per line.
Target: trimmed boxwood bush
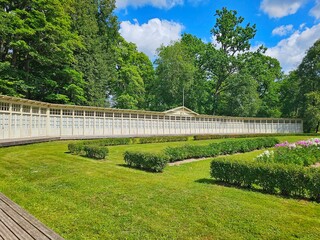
{"x":109,"y":141}
{"x":147,"y":161}
{"x":160,"y":139}
{"x":289,"y":180}
{"x":220,"y":136}
{"x":215,"y":149}
{"x":75,"y":148}
{"x":96,"y":152}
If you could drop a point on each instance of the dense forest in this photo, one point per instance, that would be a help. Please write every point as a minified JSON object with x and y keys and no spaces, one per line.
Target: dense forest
{"x":70,"y":52}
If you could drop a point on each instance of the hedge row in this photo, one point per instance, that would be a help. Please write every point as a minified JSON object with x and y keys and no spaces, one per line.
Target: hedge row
{"x":147,"y":161}
{"x":207,"y":137}
{"x":96,"y":152}
{"x":75,"y":147}
{"x":78,"y":147}
{"x":215,"y":149}
{"x":161,"y":139}
{"x":91,"y":151}
{"x":289,"y":180}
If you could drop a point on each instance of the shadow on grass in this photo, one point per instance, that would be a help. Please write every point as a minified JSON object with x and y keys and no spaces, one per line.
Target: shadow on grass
{"x":136,"y":168}
{"x":253,"y":189}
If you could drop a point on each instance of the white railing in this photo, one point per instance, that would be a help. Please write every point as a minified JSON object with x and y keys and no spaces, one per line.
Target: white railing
{"x":22,"y":118}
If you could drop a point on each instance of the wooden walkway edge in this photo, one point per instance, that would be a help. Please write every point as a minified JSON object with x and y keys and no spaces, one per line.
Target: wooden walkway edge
{"x":16,"y":223}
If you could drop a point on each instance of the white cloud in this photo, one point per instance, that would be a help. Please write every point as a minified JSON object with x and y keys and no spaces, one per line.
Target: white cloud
{"x":290,"y":51}
{"x":166,"y":4}
{"x":150,"y":36}
{"x":315,"y":11}
{"x":282,"y":30}
{"x":281,"y":8}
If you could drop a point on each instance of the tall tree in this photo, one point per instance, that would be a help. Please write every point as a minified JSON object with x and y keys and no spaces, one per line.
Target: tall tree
{"x":97,"y":27}
{"x":300,"y":89}
{"x":135,"y":72}
{"x":232,"y":41}
{"x":312,"y":111}
{"x":290,"y":98}
{"x":267,"y":72}
{"x":180,"y":78}
{"x":36,"y":52}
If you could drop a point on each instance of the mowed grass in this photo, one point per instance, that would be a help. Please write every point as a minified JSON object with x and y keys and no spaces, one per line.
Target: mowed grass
{"x":86,"y":199}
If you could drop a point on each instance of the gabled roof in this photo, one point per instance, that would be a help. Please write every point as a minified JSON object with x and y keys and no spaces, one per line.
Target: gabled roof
{"x":181,"y":111}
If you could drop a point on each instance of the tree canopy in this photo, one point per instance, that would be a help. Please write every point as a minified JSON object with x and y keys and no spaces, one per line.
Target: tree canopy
{"x":71,"y":52}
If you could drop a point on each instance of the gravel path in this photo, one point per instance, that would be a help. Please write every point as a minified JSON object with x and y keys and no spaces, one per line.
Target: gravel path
{"x":188,"y":161}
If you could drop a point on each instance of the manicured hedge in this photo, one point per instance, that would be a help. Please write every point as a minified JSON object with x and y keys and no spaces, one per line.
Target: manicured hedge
{"x":289,"y":180}
{"x":109,"y":141}
{"x":147,"y":161}
{"x":76,"y":148}
{"x":96,"y":152}
{"x":162,"y":139}
{"x":215,"y":149}
{"x":221,"y":136}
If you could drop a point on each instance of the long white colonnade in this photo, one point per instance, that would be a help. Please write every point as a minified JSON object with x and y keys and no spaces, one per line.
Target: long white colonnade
{"x":22,"y":118}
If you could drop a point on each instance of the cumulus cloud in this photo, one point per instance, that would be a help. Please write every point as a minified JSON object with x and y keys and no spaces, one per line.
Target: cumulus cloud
{"x":315,"y":11}
{"x":166,"y":4}
{"x":290,"y":51}
{"x":282,"y":30}
{"x":151,"y":35}
{"x":281,"y":8}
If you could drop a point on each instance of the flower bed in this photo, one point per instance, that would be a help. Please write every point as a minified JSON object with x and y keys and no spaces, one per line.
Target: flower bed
{"x":303,"y":153}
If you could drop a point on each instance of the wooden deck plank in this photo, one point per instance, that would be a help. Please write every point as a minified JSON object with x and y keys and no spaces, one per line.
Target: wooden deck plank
{"x":5,"y":233}
{"x":22,"y":222}
{"x":50,"y":234}
{"x":14,"y":227}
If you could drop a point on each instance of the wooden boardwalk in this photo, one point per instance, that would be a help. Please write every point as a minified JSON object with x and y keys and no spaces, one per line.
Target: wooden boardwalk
{"x":16,"y":223}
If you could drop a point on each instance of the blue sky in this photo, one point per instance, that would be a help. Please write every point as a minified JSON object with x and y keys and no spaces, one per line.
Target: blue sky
{"x":287,"y":27}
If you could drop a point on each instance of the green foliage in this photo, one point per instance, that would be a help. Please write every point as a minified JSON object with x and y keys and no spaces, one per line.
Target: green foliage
{"x":147,"y":161}
{"x":134,"y":73}
{"x":101,"y":190}
{"x":289,"y":180}
{"x":78,"y":147}
{"x":96,"y":25}
{"x":36,"y":40}
{"x":75,"y":148}
{"x":303,"y":156}
{"x":162,"y":139}
{"x":96,"y":152}
{"x":176,"y":75}
{"x":312,"y":113}
{"x":300,"y":90}
{"x":109,"y":141}
{"x":230,"y":34}
{"x":223,"y":78}
{"x":215,"y":149}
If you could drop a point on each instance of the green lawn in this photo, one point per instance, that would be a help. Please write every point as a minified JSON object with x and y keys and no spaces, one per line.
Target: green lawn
{"x":86,"y":199}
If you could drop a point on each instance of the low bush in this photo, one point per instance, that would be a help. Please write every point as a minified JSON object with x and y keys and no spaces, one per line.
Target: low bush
{"x":221,"y":136}
{"x":215,"y":149}
{"x":75,"y":148}
{"x":146,"y":161}
{"x":190,"y":151}
{"x":109,"y":141}
{"x":96,"y":152}
{"x":289,"y":180}
{"x":160,"y":139}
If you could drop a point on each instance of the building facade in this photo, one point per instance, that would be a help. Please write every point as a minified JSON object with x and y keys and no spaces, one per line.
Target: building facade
{"x":23,"y":118}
